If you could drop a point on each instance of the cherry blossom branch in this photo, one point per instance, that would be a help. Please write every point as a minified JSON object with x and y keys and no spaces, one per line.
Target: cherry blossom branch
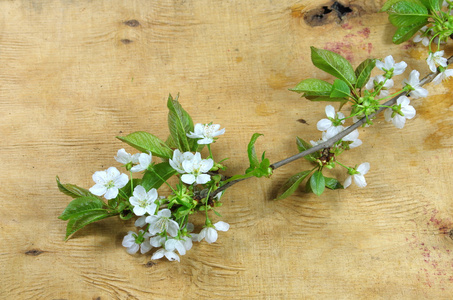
{"x":330,"y":142}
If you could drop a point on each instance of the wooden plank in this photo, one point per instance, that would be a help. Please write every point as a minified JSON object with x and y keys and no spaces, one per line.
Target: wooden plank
{"x":76,"y":74}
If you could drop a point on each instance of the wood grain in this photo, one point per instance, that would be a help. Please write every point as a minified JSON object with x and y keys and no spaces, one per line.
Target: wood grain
{"x":77,"y":73}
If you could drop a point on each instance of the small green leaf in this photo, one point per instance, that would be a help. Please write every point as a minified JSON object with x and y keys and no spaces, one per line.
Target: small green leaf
{"x":73,"y":190}
{"x":291,"y":185}
{"x":332,"y":183}
{"x":334,"y":64}
{"x":340,"y":89}
{"x":180,"y":124}
{"x":81,"y":205}
{"x":78,"y":222}
{"x":253,"y":159}
{"x":363,"y":72}
{"x":317,"y":183}
{"x":403,"y":34}
{"x":313,"y":87}
{"x":151,"y":180}
{"x":182,"y":212}
{"x":406,"y":13}
{"x":263,"y":169}
{"x":302,"y":146}
{"x":144,"y":141}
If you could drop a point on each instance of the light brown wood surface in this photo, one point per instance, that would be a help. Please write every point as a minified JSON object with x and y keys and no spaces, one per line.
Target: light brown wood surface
{"x":75,"y":74}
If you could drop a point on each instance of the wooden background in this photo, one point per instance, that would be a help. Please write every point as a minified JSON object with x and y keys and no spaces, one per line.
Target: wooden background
{"x":74,"y":74}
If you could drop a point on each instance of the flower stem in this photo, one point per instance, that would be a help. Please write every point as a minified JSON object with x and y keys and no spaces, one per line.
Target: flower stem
{"x":330,"y":142}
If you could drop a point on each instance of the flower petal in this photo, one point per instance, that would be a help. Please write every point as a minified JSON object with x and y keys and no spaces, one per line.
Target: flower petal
{"x":330,"y":111}
{"x":98,"y":189}
{"x":323,"y":124}
{"x":359,"y":180}
{"x":188,"y":178}
{"x":347,"y":182}
{"x":222,"y":226}
{"x":211,"y":235}
{"x":363,"y":168}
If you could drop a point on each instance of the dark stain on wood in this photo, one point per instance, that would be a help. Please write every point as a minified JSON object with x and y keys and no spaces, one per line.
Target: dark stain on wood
{"x":132,"y":23}
{"x":302,"y":121}
{"x":34,"y":252}
{"x":126,"y":41}
{"x":149,"y":264}
{"x":327,"y":14}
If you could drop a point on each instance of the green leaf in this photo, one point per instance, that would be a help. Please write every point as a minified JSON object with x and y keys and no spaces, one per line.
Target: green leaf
{"x":253,"y":159}
{"x":182,"y":212}
{"x":313,"y":87}
{"x":403,"y":34}
{"x":151,"y":180}
{"x":363,"y":72}
{"x":263,"y":169}
{"x":390,"y":3}
{"x":144,"y":141}
{"x":334,"y":64}
{"x":332,"y":183}
{"x":73,"y":190}
{"x":78,"y":222}
{"x":291,"y":185}
{"x":170,"y":142}
{"x":405,"y":13}
{"x":433,"y":5}
{"x":81,"y":205}
{"x":340,"y":89}
{"x":180,"y":123}
{"x":317,"y":183}
{"x":302,"y":146}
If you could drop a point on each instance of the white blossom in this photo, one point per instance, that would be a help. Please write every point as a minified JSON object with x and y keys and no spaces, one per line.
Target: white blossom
{"x":407,"y":110}
{"x":195,"y":169}
{"x":436,"y":59}
{"x":132,"y":243}
{"x":162,"y":222}
{"x":178,"y":158}
{"x":108,"y":182}
{"x":169,"y":254}
{"x":414,"y":83}
{"x":144,"y":160}
{"x":422,"y":36}
{"x":443,"y":76}
{"x":143,"y":201}
{"x":210,"y":233}
{"x":354,"y":138}
{"x":390,"y":66}
{"x":331,"y":125}
{"x":378,"y":79}
{"x":358,"y":177}
{"x":124,"y":157}
{"x":206,"y":132}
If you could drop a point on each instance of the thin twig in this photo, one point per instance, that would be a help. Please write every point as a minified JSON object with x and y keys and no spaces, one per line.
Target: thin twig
{"x":330,"y":142}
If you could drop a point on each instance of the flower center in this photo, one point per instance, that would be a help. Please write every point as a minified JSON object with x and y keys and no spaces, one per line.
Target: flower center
{"x":110,"y":184}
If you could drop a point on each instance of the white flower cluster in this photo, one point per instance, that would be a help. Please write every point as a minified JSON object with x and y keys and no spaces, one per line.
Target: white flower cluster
{"x":334,"y":125}
{"x":161,"y":230}
{"x":192,"y":167}
{"x":166,"y":234}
